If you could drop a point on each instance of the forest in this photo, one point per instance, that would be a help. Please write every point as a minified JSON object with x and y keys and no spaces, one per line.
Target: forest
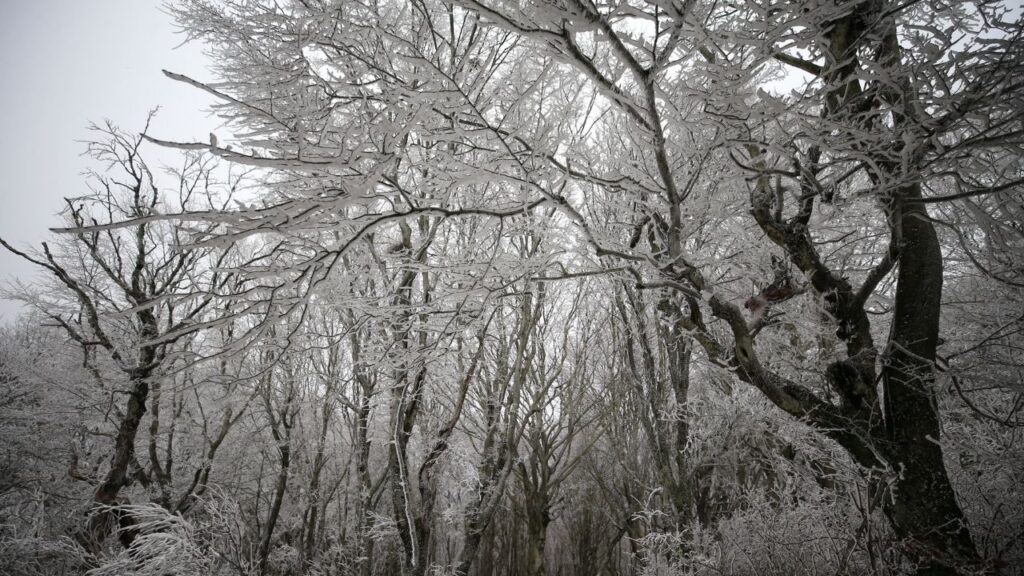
{"x":539,"y":287}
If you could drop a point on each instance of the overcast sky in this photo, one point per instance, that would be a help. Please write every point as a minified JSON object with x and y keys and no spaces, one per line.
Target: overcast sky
{"x":65,"y":63}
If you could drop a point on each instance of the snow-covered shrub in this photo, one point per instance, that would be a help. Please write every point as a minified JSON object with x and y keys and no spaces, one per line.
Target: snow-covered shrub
{"x":34,"y":556}
{"x":163,"y":544}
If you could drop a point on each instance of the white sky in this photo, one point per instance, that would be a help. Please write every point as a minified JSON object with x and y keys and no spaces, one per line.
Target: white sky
{"x":64,"y":63}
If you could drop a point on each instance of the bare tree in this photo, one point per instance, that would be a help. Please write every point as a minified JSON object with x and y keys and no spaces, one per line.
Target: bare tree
{"x":128,"y":292}
{"x":782,"y":239}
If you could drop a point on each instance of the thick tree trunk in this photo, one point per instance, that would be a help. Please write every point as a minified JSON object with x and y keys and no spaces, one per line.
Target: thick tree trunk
{"x":470,"y":549}
{"x":412,"y":526}
{"x":101,"y":521}
{"x":408,"y":525}
{"x":365,"y":489}
{"x":924,"y":508}
{"x":362,"y":447}
{"x":409,"y":519}
{"x":680,"y":353}
{"x":124,"y":445}
{"x":491,"y":476}
{"x":537,"y":530}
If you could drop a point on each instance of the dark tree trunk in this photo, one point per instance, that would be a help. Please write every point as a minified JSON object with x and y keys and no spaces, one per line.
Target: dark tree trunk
{"x":365,"y":387}
{"x":281,"y":431}
{"x":538,"y":518}
{"x":311,"y":517}
{"x":275,"y":507}
{"x":924,"y":508}
{"x":102,"y":522}
{"x":124,"y":445}
{"x":412,"y":526}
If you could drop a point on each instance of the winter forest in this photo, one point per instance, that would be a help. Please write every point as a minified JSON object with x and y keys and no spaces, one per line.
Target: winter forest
{"x":538,"y":287}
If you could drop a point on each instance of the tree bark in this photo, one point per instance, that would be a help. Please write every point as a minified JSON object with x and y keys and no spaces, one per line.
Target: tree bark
{"x":309,"y":532}
{"x":101,"y":521}
{"x":924,"y":508}
{"x":538,"y":515}
{"x":281,"y":430}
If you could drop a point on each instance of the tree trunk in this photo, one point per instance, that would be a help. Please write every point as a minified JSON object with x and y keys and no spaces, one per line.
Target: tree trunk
{"x":679,"y":354}
{"x":412,"y":526}
{"x":309,"y":538}
{"x":275,"y":506}
{"x":538,"y":518}
{"x":281,"y":430}
{"x":362,"y":446}
{"x":101,"y":521}
{"x":924,"y":508}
